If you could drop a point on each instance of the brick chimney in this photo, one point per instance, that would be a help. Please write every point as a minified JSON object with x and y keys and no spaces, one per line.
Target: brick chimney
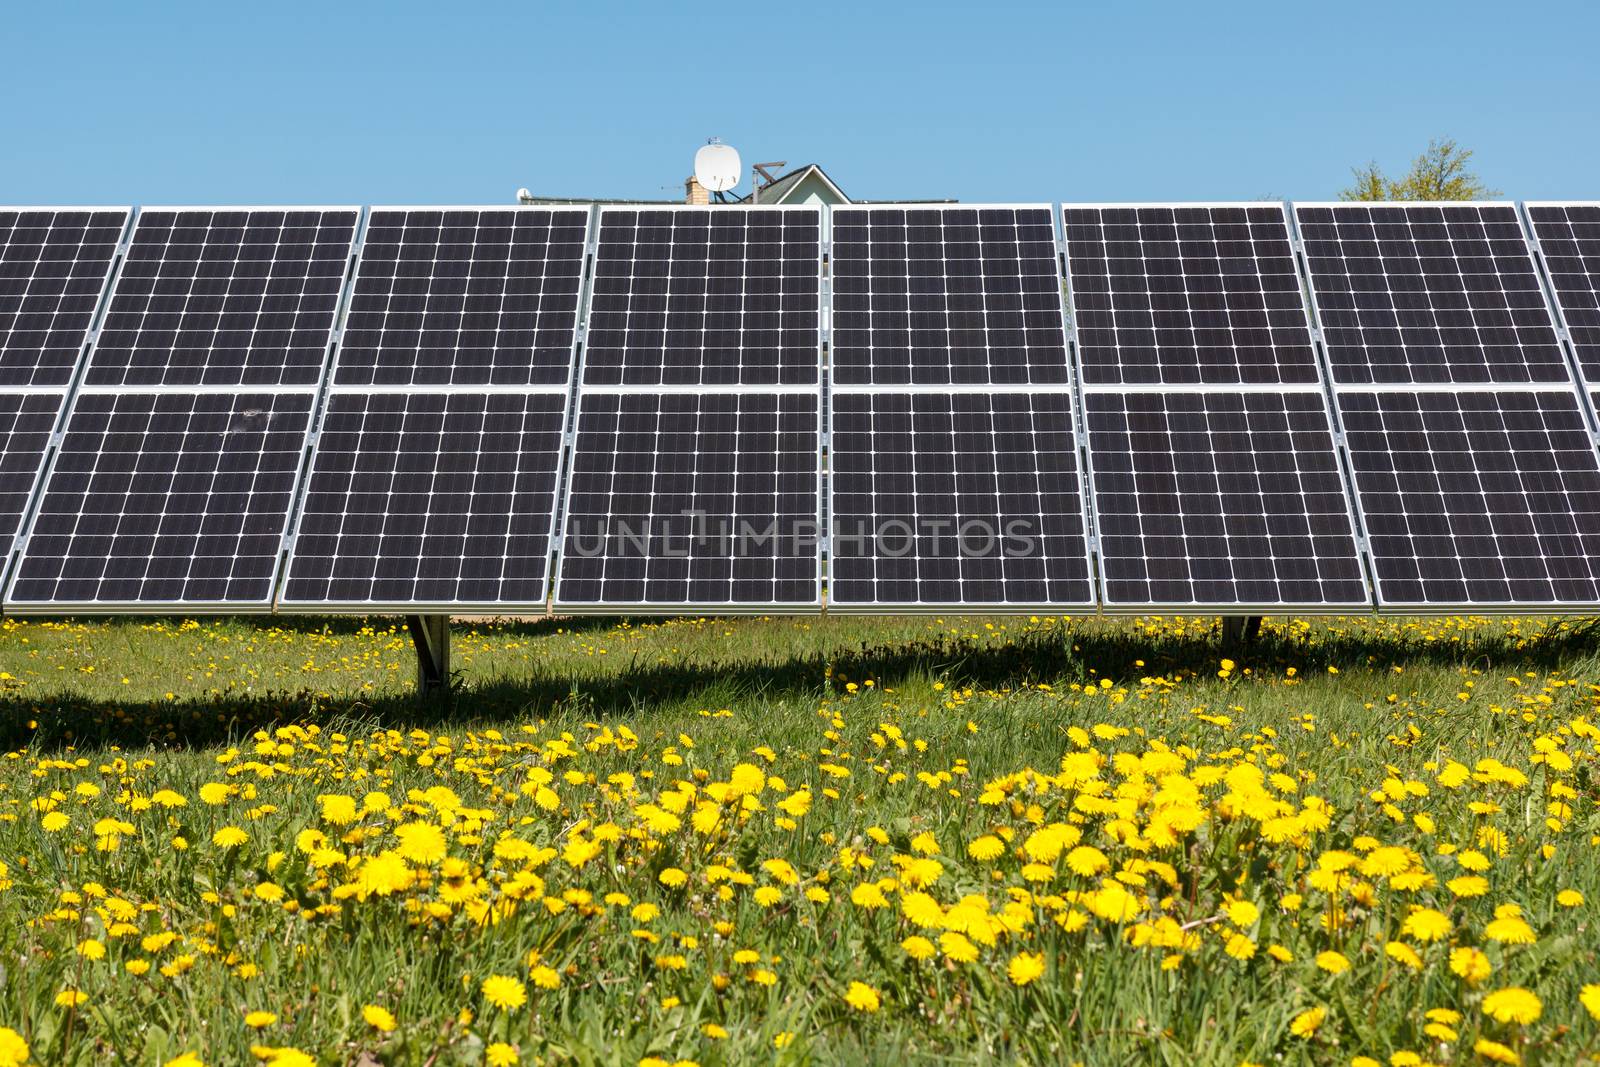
{"x":694,"y":192}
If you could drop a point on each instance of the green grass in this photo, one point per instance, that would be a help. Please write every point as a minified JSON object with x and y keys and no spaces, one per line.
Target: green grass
{"x":1339,"y":706}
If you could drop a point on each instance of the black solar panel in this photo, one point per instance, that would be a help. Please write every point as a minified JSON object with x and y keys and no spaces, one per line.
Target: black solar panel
{"x":1187,"y":294}
{"x":53,"y":266}
{"x":956,"y":499}
{"x":419,"y":498}
{"x":230,"y":296}
{"x":1429,"y":293}
{"x":165,"y":498}
{"x":1212,"y":498}
{"x":465,"y":296}
{"x":26,"y":422}
{"x":1569,"y":235}
{"x":710,"y":296}
{"x":946,"y":296}
{"x":1477,"y":498}
{"x":693,"y":500}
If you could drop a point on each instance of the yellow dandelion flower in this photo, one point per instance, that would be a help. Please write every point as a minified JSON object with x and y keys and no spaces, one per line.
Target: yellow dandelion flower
{"x":1513,"y":1005}
{"x":862,"y":997}
{"x":1333,"y":962}
{"x":501,"y":1054}
{"x":1305,"y":1024}
{"x":13,"y":1050}
{"x":378,"y":1017}
{"x":229,"y":837}
{"x":260,"y":1020}
{"x":1589,"y":997}
{"x":920,"y":948}
{"x":504,"y":992}
{"x":1025,"y":967}
{"x":1495,"y":1052}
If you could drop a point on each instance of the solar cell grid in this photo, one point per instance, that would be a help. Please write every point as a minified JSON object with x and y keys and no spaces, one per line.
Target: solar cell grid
{"x":1569,"y":236}
{"x":168,"y":498}
{"x":225,"y":297}
{"x":962,"y":295}
{"x":26,"y":422}
{"x":1213,"y":498}
{"x":964,"y":499}
{"x":429,"y":498}
{"x":711,"y":297}
{"x":700,"y":500}
{"x":1187,"y":294}
{"x":465,"y":296}
{"x":1477,"y":498}
{"x":1428,"y":294}
{"x":54,"y":263}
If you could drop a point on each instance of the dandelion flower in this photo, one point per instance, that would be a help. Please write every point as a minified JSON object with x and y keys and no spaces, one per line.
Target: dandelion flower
{"x":1511,"y":930}
{"x":920,"y":948}
{"x":379,"y":1018}
{"x":500,"y":1054}
{"x":545,"y":977}
{"x":229,"y":837}
{"x":1426,"y":924}
{"x":13,"y":1050}
{"x":188,"y":1059}
{"x":986,"y":848}
{"x":1025,"y":967}
{"x":1513,"y":1005}
{"x":1087,"y":861}
{"x":1495,"y":1052}
{"x":862,"y":997}
{"x":1333,"y":962}
{"x":1305,"y":1024}
{"x":504,"y":992}
{"x":70,"y":998}
{"x":1589,"y":997}
{"x":259,"y":1020}
{"x":1470,"y":964}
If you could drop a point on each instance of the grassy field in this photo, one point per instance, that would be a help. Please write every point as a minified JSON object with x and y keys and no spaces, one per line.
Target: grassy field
{"x":800,"y":841}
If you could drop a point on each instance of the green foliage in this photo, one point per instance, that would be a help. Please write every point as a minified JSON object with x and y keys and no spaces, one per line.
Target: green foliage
{"x":1443,"y":172}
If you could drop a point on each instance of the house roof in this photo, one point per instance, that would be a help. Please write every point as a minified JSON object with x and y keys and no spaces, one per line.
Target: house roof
{"x":774,"y":193}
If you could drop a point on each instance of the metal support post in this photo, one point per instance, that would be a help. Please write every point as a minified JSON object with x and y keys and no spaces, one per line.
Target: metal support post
{"x":1240,"y":630}
{"x":431,"y":636}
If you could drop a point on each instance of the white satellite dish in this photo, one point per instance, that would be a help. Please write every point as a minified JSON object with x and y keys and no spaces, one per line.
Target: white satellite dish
{"x":716,"y":166}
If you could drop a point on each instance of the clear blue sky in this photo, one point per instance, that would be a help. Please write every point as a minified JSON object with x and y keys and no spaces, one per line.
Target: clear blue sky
{"x":346,"y":102}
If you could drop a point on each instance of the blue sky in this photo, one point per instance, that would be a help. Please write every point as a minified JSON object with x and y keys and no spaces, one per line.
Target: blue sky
{"x":353,"y":102}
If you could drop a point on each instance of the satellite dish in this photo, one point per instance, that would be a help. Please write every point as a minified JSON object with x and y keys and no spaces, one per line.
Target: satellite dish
{"x":716,"y":166}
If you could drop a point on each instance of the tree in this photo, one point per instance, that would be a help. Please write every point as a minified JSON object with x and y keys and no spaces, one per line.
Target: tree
{"x":1443,"y":172}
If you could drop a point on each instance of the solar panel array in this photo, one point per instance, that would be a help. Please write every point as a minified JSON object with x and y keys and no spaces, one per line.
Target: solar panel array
{"x":54,"y":266}
{"x":435,"y":473}
{"x":1569,"y":236}
{"x":1215,"y":475}
{"x":736,"y":409}
{"x":181,"y":453}
{"x":1473,"y":465}
{"x":694,"y":480}
{"x":953,"y":460}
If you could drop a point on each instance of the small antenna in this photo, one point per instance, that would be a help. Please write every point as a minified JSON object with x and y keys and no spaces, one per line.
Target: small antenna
{"x":716,"y":166}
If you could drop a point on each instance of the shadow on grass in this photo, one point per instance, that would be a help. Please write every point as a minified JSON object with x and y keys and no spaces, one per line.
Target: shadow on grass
{"x":1095,"y":650}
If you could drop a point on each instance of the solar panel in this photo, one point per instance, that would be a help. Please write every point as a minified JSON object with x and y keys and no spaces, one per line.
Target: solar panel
{"x":422,"y":498}
{"x":1187,"y":294}
{"x":465,"y":296}
{"x":26,"y":423}
{"x":164,"y":499}
{"x":1417,"y":294}
{"x":1482,"y":498}
{"x":955,"y":499}
{"x":960,"y":295}
{"x":54,"y":263}
{"x":719,"y":296}
{"x":225,"y":297}
{"x":693,"y":500}
{"x":1569,"y":237}
{"x":1220,"y":498}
